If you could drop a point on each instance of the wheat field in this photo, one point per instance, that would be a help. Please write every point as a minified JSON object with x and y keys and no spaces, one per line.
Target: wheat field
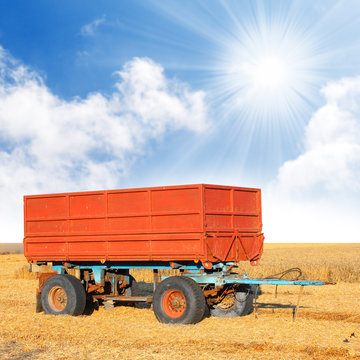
{"x":327,"y":326}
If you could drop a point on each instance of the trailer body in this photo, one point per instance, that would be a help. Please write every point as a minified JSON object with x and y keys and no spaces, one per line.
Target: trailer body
{"x":198,"y":223}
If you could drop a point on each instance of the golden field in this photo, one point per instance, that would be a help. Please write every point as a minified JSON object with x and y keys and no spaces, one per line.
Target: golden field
{"x":327,"y":317}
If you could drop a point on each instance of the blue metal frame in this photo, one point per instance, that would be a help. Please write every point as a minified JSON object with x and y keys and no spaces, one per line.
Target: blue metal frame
{"x":221,"y":279}
{"x":218,"y":276}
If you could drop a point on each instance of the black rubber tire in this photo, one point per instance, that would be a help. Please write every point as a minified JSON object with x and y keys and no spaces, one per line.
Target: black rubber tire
{"x":243,"y":304}
{"x":91,"y":305}
{"x":75,"y":294}
{"x":191,"y":291}
{"x":133,"y":289}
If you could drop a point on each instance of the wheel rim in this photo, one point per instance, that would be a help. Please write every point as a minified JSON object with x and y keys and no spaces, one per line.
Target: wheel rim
{"x":227,"y":303}
{"x":174,"y":303}
{"x":57,"y":298}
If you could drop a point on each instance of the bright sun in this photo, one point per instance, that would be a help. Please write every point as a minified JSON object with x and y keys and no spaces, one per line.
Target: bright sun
{"x":270,"y":73}
{"x":267,"y":72}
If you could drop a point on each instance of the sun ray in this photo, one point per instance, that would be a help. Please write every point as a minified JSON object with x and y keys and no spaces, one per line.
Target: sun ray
{"x":264,"y":66}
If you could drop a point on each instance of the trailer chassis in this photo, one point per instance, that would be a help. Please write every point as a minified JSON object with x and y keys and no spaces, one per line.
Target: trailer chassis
{"x":108,"y":282}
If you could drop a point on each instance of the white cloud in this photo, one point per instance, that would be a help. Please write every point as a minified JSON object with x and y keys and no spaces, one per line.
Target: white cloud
{"x":331,"y":158}
{"x":316,"y":197}
{"x":89,"y":29}
{"x":48,"y":144}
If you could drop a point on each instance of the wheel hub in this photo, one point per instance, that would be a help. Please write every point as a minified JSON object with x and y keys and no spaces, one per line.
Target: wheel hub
{"x":174,"y":303}
{"x":57,"y":298}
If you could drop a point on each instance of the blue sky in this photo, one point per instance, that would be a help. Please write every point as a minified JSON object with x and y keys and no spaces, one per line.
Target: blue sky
{"x":134,"y":93}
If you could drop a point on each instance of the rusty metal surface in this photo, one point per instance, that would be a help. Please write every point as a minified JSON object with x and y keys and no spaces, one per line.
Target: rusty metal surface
{"x":43,"y":277}
{"x":144,"y":299}
{"x":206,"y":223}
{"x":38,"y":306}
{"x":95,"y":287}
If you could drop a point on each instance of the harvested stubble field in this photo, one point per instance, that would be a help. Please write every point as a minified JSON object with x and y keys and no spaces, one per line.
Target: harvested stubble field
{"x":327,"y":318}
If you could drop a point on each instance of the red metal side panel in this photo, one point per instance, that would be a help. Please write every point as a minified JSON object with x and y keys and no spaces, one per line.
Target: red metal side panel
{"x":192,"y":222}
{"x":233,"y":222}
{"x":87,"y":205}
{"x":46,"y":214}
{"x":45,"y":207}
{"x":129,"y":211}
{"x":121,"y":203}
{"x":137,"y":224}
{"x":232,"y":209}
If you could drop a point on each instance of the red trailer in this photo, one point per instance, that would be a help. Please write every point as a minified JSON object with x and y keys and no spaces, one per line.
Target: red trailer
{"x":83,"y":246}
{"x":205,"y":223}
{"x":91,"y":240}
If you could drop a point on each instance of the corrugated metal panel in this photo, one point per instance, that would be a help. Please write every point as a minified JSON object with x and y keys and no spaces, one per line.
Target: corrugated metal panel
{"x":190,"y":222}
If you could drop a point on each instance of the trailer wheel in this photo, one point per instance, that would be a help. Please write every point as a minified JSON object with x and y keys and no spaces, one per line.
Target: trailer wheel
{"x":237,"y":303}
{"x":178,"y":300}
{"x":63,"y":295}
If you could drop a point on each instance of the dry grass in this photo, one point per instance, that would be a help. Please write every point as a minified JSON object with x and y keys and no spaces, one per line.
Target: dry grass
{"x":23,"y":273}
{"x":327,"y":262}
{"x":333,"y":262}
{"x":327,"y":317}
{"x":11,"y":248}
